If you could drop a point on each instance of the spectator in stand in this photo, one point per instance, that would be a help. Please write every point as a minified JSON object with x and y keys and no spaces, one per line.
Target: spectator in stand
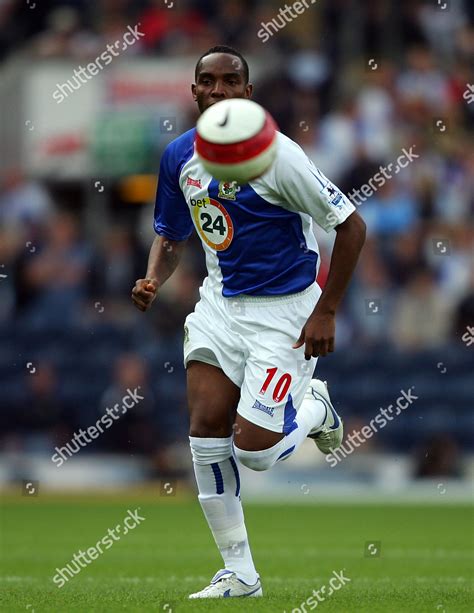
{"x":423,"y":84}
{"x":336,"y":147}
{"x":171,"y":29}
{"x":371,"y":298}
{"x":57,"y":275}
{"x":422,"y":314}
{"x":405,"y":256}
{"x":66,"y":36}
{"x":117,"y":264}
{"x":134,"y":428}
{"x":23,"y":201}
{"x":44,"y":407}
{"x":438,"y":457}
{"x":390,"y":212}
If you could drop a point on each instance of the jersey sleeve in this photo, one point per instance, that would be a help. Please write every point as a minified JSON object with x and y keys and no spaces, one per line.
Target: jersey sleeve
{"x":171,"y":218}
{"x":305,"y":189}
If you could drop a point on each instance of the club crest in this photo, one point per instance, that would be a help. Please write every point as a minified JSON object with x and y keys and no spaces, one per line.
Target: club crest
{"x":228,"y":190}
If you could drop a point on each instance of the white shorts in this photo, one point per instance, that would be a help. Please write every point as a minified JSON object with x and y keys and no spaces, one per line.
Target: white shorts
{"x":250,"y":339}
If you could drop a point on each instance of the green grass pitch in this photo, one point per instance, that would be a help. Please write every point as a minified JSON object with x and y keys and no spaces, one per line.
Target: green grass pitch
{"x":425,"y":561}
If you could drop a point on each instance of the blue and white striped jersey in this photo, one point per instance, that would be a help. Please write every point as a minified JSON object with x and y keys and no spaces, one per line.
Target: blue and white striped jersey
{"x":258,"y":238}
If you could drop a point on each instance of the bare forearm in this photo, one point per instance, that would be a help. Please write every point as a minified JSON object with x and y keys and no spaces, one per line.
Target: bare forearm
{"x":347,"y":247}
{"x":318,"y":333}
{"x":163,"y":259}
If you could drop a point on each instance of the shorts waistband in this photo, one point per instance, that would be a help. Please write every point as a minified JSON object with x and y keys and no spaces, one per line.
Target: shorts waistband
{"x":272,"y":299}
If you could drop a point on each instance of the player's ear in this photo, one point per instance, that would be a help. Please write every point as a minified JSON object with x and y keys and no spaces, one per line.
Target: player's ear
{"x":193,"y":91}
{"x":249,"y":90}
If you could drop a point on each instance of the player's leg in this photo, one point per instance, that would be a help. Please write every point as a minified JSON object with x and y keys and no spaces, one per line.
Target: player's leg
{"x":316,"y":418}
{"x":249,"y":444}
{"x":277,"y":393}
{"x":212,"y":400}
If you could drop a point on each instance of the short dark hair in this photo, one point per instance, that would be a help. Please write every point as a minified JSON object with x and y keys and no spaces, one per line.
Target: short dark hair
{"x":224,"y":49}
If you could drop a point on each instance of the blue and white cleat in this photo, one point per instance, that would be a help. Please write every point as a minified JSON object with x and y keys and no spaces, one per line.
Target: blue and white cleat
{"x":328,"y":436}
{"x":226,"y":584}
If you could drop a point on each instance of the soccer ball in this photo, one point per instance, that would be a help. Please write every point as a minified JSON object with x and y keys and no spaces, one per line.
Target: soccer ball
{"x":236,"y":140}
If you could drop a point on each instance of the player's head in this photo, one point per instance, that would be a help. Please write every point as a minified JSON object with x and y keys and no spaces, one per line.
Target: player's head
{"x":221,"y":73}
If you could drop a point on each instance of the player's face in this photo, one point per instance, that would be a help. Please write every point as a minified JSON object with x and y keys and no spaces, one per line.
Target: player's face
{"x":220,"y":76}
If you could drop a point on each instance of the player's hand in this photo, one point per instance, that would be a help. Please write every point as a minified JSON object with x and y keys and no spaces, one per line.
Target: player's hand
{"x":144,"y":293}
{"x":317,"y":335}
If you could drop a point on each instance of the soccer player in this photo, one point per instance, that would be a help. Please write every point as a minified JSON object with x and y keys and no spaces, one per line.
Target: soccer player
{"x":252,"y":342}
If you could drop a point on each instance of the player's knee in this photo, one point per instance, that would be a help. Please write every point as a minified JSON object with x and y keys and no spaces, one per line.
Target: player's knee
{"x":208,"y":430}
{"x":201,"y":431}
{"x":255,"y":460}
{"x":205,"y":425}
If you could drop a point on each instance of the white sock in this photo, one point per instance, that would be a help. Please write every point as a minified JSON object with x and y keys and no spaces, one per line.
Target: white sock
{"x":218,"y":481}
{"x":310,"y":415}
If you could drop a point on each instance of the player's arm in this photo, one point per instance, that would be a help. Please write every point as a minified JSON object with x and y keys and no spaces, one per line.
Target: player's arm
{"x":318,"y":334}
{"x":164,"y":257}
{"x":305,"y":189}
{"x":172,"y":223}
{"x":349,"y":241}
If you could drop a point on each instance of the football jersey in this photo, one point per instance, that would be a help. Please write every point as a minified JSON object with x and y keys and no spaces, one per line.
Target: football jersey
{"x":258,"y":238}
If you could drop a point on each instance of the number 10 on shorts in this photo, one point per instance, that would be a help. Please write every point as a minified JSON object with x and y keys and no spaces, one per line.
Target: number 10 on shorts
{"x":281,"y":387}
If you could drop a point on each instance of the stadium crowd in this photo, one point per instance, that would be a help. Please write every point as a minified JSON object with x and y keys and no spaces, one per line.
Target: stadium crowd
{"x":356,"y":102}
